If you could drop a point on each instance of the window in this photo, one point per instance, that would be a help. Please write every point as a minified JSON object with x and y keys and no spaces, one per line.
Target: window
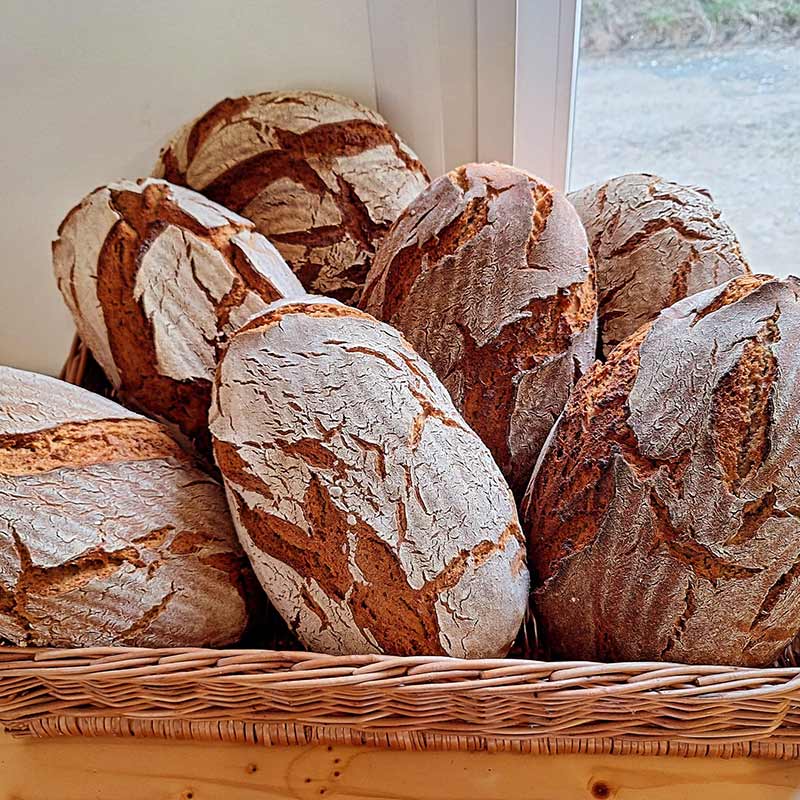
{"x":703,"y":93}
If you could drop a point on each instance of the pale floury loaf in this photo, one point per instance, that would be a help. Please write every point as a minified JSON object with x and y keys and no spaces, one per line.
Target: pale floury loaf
{"x":321,"y":175}
{"x":488,"y":275}
{"x":156,"y":277}
{"x":664,"y":519}
{"x":109,"y":532}
{"x":655,"y":242}
{"x":374,"y":517}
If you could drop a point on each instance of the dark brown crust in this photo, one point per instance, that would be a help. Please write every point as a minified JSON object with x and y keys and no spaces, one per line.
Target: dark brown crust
{"x":355,"y":423}
{"x":655,"y":243}
{"x":406,"y":622}
{"x":563,"y":507}
{"x":730,"y":293}
{"x":602,"y":489}
{"x":211,"y":120}
{"x":130,"y":334}
{"x":287,"y":156}
{"x":144,"y":216}
{"x":314,"y":309}
{"x":94,"y":565}
{"x":35,"y":583}
{"x":73,"y":445}
{"x":456,"y":227}
{"x":742,"y":413}
{"x":546,"y":332}
{"x":403,"y":266}
{"x":236,"y":187}
{"x":110,"y":532}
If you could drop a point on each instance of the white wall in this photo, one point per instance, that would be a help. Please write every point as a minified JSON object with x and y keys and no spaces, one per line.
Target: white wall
{"x":90,"y":89}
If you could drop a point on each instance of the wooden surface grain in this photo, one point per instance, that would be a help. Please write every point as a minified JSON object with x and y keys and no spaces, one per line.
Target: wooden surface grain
{"x":99,"y":769}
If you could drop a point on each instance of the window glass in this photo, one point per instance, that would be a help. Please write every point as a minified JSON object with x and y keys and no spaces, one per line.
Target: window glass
{"x":705,"y":93}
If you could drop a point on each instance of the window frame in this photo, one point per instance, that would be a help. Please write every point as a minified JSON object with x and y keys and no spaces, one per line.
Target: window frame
{"x":479,"y":80}
{"x":546,"y":69}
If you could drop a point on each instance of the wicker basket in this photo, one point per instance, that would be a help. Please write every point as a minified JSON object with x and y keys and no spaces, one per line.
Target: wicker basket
{"x":282,"y":697}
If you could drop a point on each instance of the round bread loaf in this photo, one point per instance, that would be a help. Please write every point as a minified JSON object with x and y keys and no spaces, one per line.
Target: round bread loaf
{"x":664,"y":519}
{"x":156,"y":277}
{"x":488,"y":274}
{"x":374,"y":517}
{"x":654,"y":242}
{"x":109,"y":533}
{"x":321,"y":175}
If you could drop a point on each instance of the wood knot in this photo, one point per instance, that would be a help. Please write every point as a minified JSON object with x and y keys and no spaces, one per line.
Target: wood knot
{"x":600,"y":789}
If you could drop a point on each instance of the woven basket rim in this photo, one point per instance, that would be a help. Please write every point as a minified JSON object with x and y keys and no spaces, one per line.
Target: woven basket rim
{"x":404,"y":702}
{"x":658,"y":679}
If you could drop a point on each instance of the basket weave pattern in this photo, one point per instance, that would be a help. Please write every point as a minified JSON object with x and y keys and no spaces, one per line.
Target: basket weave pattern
{"x":275,"y":697}
{"x":281,"y":697}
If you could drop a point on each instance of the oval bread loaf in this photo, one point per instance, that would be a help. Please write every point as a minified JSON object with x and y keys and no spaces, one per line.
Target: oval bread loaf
{"x":374,"y":517}
{"x":488,"y":274}
{"x":109,"y":533}
{"x":655,"y":242}
{"x":156,"y":277}
{"x":321,"y":175}
{"x":664,"y":519}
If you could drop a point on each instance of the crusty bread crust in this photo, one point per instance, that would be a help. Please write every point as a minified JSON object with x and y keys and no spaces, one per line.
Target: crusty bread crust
{"x":489,"y":276}
{"x":322,"y":177}
{"x":156,"y":278}
{"x":109,"y":532}
{"x":374,"y":517}
{"x":663,"y":519}
{"x":655,"y":242}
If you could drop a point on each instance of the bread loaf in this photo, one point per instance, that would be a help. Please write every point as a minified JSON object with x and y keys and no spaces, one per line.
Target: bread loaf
{"x":373,"y":516}
{"x":156,"y":277}
{"x":109,"y":533}
{"x":321,"y":175}
{"x":655,"y":242}
{"x":664,"y":518}
{"x":489,"y":276}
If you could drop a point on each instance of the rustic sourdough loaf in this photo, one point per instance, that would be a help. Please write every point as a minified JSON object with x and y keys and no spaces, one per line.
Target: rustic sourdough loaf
{"x":321,"y":175}
{"x":655,"y":242}
{"x":156,"y":277}
{"x":664,"y":518}
{"x":109,"y":533}
{"x":374,"y":517}
{"x":488,"y":274}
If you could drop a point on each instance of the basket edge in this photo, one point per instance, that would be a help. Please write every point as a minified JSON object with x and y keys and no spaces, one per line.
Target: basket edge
{"x":290,"y":734}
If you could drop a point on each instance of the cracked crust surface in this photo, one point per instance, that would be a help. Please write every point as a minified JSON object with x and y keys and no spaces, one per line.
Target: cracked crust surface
{"x":374,"y":517}
{"x":156,"y":277}
{"x":109,"y":532}
{"x":663,"y":520}
{"x":488,"y":274}
{"x":655,"y":242}
{"x":321,"y":175}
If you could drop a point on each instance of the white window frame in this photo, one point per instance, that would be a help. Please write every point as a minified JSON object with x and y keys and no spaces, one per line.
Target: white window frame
{"x":547,"y":48}
{"x":480,"y":80}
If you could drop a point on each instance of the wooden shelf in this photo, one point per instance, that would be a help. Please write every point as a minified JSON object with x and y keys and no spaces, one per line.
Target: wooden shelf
{"x":101,"y":769}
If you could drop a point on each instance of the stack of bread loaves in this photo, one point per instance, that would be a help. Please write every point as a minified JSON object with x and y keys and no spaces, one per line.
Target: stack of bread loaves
{"x":364,"y":462}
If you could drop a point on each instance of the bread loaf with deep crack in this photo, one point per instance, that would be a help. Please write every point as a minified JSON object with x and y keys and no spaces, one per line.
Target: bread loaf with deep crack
{"x":374,"y":517}
{"x":664,"y":518}
{"x":156,"y":277}
{"x":488,"y":274}
{"x":321,"y":175}
{"x":109,"y":532}
{"x":654,"y":242}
